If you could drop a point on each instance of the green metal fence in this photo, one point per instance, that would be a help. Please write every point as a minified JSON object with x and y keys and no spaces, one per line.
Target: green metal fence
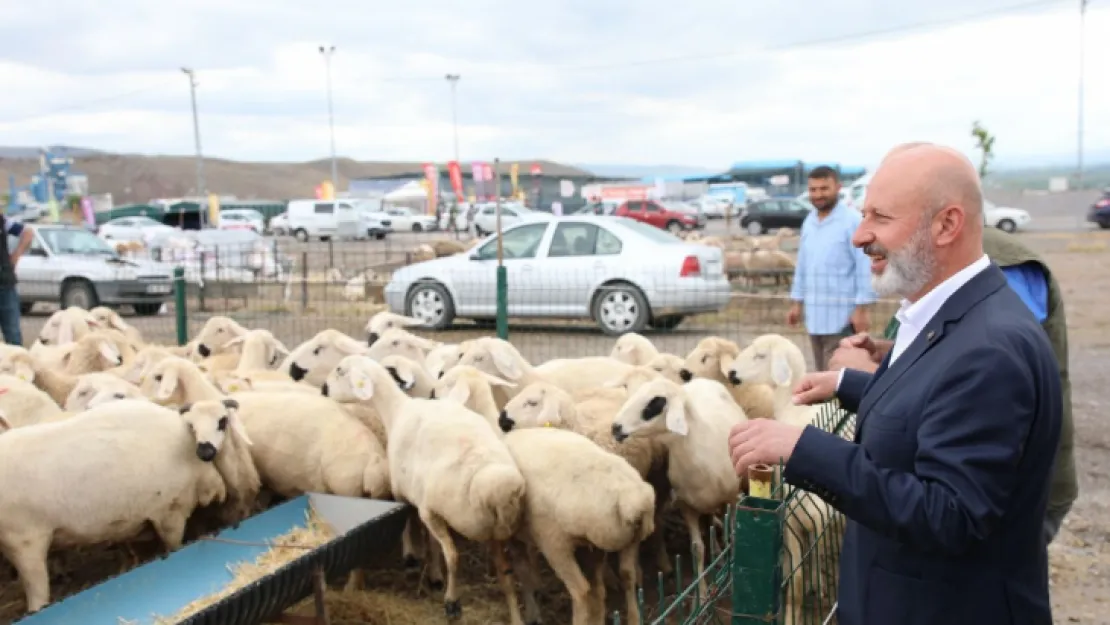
{"x":776,"y":562}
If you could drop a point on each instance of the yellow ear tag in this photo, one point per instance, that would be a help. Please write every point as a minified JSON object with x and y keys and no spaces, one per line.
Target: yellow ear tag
{"x":546,"y":424}
{"x":234,"y":388}
{"x":24,"y":377}
{"x":360,"y":384}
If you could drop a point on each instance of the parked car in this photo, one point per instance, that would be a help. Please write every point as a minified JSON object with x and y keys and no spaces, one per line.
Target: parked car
{"x":1099,"y":213}
{"x":323,"y":219}
{"x":403,"y":218}
{"x":763,"y":215}
{"x":373,"y":225}
{"x":620,"y":272}
{"x":279,"y":225}
{"x":716,"y":206}
{"x":139,"y":228}
{"x":485,"y":219}
{"x":1005,"y":218}
{"x":659,"y":215}
{"x":242,"y":219}
{"x":71,"y":266}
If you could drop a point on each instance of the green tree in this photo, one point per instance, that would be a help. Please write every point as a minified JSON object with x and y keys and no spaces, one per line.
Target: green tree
{"x":984,"y":142}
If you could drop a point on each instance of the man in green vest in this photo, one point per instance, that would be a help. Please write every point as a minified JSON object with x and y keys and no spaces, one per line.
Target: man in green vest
{"x":1030,"y":277}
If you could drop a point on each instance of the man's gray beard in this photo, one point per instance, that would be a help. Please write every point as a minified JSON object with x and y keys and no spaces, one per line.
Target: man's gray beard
{"x":907,"y":270}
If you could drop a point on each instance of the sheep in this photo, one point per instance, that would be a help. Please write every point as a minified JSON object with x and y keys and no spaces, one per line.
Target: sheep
{"x":668,"y":366}
{"x":446,"y":461}
{"x":237,"y":381}
{"x":633,"y":349}
{"x":499,"y":358}
{"x":399,"y":342}
{"x":442,"y":358}
{"x":410,"y":375}
{"x":65,"y":326}
{"x":96,"y":351}
{"x":261,"y":351}
{"x":92,"y":492}
{"x":472,"y":388}
{"x":222,"y":439}
{"x":57,"y":384}
{"x":108,"y":318}
{"x":776,"y":360}
{"x":313,"y":360}
{"x":385,"y":320}
{"x":143,"y":361}
{"x":4,"y":425}
{"x":710,"y":359}
{"x":215,"y":334}
{"x":447,"y":247}
{"x":697,"y":419}
{"x":175,"y":381}
{"x":25,"y":404}
{"x":93,"y":389}
{"x":596,"y":501}
{"x":423,"y":252}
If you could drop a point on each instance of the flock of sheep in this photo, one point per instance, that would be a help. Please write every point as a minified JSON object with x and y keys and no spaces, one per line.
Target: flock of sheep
{"x":108,"y":436}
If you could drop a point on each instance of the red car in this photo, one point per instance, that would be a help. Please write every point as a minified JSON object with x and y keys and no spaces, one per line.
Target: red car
{"x":659,"y":215}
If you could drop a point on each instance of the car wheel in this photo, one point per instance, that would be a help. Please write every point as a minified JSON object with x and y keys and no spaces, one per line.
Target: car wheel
{"x":78,"y":294}
{"x":755,"y":228}
{"x":620,"y":308}
{"x":147,"y":310}
{"x":380,"y":236}
{"x":1105,"y":225}
{"x":1007,"y":225}
{"x":301,"y":235}
{"x":25,"y":307}
{"x":674,"y":227}
{"x":667,"y":322}
{"x":431,"y":303}
{"x":417,"y":228}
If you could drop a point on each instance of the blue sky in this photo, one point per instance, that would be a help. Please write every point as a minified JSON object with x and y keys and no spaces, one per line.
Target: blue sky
{"x":700,"y":83}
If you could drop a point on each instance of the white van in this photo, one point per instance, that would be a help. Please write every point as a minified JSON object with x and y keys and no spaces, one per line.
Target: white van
{"x":323,"y":219}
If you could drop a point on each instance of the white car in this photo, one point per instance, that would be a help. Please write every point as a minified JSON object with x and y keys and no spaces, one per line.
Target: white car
{"x":242,"y":219}
{"x":485,"y":221}
{"x":405,"y":219}
{"x":716,"y":206}
{"x":1005,"y":218}
{"x":133,"y":229}
{"x":279,"y":225}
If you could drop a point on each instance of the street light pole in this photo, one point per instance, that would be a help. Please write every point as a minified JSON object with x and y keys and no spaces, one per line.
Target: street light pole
{"x":327,"y":51}
{"x":1082,"y":59}
{"x":196,"y":138}
{"x":453,"y":79}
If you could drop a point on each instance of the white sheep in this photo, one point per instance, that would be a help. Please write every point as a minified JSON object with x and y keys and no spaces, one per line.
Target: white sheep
{"x":64,"y":327}
{"x":410,"y":375}
{"x":442,"y":358}
{"x":222,"y":439}
{"x":472,"y":388}
{"x":175,"y":381}
{"x":668,"y":366}
{"x":25,"y":404}
{"x":267,"y":381}
{"x":774,"y":359}
{"x":143,"y":361}
{"x":385,"y":320}
{"x":314,"y":359}
{"x":93,"y":492}
{"x":108,"y":318}
{"x":633,"y":349}
{"x":213,"y":338}
{"x":447,"y":462}
{"x":710,"y":359}
{"x":693,"y":421}
{"x":260,"y":350}
{"x":578,"y":495}
{"x":401,"y":343}
{"x":93,"y":389}
{"x":96,"y":351}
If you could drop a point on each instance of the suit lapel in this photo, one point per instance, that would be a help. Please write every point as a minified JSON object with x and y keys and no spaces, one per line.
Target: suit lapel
{"x":883,"y":366}
{"x":976,"y":290}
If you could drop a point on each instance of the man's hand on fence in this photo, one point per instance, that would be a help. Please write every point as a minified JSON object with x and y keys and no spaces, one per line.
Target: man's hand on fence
{"x":866,"y":342}
{"x":816,"y":388}
{"x":853,"y":358}
{"x":761,"y":441}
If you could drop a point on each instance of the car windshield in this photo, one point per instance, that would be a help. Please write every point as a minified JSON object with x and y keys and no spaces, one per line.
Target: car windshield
{"x":67,"y":241}
{"x":653,"y":234}
{"x":146,"y":221}
{"x":678,"y":207}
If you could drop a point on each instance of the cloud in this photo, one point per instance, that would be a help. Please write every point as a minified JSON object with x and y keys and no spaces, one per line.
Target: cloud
{"x":701,"y":83}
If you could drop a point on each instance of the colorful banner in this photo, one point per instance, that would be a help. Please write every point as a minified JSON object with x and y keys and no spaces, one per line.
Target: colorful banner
{"x":514,"y":178}
{"x":87,"y":211}
{"x":493,"y":191}
{"x":431,"y":180}
{"x":477,"y":174}
{"x":455,"y":173}
{"x":214,"y":210}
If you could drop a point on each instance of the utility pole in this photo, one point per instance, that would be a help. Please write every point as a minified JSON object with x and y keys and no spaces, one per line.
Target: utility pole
{"x":1082,"y":59}
{"x":201,"y":192}
{"x":453,"y":79}
{"x":328,"y":51}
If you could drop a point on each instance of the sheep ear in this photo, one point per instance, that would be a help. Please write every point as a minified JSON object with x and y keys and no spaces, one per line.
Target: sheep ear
{"x":505,"y":361}
{"x":676,"y":416}
{"x":65,"y":332}
{"x":110,"y":352}
{"x":780,"y":369}
{"x":422,"y":343}
{"x":281,"y":348}
{"x":5,"y":425}
{"x":361,"y":385}
{"x":237,"y":427}
{"x":348,"y":345}
{"x":496,"y":381}
{"x":168,"y":384}
{"x":117,"y":323}
{"x":186,"y":408}
{"x":726,"y":361}
{"x":411,"y":321}
{"x":236,"y":341}
{"x":459,"y":393}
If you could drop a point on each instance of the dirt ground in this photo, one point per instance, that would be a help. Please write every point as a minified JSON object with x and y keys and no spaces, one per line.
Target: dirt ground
{"x":1080,"y":557}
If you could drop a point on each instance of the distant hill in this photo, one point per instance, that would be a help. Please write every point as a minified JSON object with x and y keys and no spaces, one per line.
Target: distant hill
{"x":59,"y":150}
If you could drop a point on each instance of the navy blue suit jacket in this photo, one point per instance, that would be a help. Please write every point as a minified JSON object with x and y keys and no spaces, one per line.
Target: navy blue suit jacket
{"x":946,"y":484}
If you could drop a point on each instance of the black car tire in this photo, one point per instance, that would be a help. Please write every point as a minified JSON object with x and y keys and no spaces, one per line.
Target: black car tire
{"x":627,"y":295}
{"x":674,"y":227}
{"x":301,"y":235}
{"x":25,"y":307}
{"x":1007,"y":225}
{"x":78,"y":293}
{"x":667,"y":322}
{"x":433,"y":291}
{"x":147,"y":310}
{"x":754,"y":228}
{"x":417,"y":228}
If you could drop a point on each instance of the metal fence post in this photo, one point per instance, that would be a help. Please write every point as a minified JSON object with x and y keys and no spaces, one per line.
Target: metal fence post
{"x":304,"y":281}
{"x":179,"y":305}
{"x":756,"y":553}
{"x":502,"y":303}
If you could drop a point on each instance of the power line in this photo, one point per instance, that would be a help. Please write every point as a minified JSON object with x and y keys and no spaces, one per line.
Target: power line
{"x":821,"y":41}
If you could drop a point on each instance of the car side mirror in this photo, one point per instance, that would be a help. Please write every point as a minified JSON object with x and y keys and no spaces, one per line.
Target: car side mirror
{"x":36,"y":251}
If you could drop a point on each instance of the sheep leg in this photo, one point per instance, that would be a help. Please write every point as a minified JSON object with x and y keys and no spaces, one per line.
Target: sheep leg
{"x":630,"y":576}
{"x":439,"y":530}
{"x":526,"y":566}
{"x":434,"y":564}
{"x":693,"y":525}
{"x":659,"y":543}
{"x":29,"y":560}
{"x":505,"y":580}
{"x":356,"y":580}
{"x":598,"y":589}
{"x":411,"y":543}
{"x":560,"y":556}
{"x":171,"y":530}
{"x":608,"y":576}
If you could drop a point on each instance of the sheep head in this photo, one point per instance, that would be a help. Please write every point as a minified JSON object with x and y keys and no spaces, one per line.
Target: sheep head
{"x":459,"y":383}
{"x":356,"y":378}
{"x":66,"y":326}
{"x":108,"y":318}
{"x":163,"y":382}
{"x":667,"y":365}
{"x":441,"y":359}
{"x":385,"y":320}
{"x":210,"y":421}
{"x":215,"y":335}
{"x":95,"y":389}
{"x":97,"y":350}
{"x":633,"y":379}
{"x":143,"y":361}
{"x":19,"y":364}
{"x":537,"y":405}
{"x":633,"y":348}
{"x":641,"y":411}
{"x":275,"y":349}
{"x":398,"y":342}
{"x":312,"y":360}
{"x":407,"y":373}
{"x":496,"y":357}
{"x":771,"y":359}
{"x":709,"y":358}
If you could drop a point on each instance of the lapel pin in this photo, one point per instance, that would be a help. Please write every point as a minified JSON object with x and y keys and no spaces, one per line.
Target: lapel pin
{"x":931,"y":335}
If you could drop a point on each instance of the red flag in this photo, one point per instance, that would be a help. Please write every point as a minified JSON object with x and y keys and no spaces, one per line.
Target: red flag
{"x":455,"y":172}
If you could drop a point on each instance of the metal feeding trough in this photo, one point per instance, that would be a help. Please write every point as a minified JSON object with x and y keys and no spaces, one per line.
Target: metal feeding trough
{"x":202,"y":568}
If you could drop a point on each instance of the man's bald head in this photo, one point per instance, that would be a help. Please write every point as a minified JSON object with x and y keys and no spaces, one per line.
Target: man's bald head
{"x":945,"y":177}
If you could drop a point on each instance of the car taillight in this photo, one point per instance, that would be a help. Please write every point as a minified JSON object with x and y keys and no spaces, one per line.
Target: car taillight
{"x":690,"y":267}
{"x":1103,"y":204}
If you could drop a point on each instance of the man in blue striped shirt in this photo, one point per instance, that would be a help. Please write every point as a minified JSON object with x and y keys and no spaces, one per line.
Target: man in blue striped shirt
{"x":832,"y":278}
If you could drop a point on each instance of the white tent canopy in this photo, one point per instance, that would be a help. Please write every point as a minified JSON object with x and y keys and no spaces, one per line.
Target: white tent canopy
{"x":411,"y":190}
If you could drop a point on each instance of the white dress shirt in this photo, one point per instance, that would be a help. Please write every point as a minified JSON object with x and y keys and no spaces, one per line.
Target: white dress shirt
{"x":914,"y":316}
